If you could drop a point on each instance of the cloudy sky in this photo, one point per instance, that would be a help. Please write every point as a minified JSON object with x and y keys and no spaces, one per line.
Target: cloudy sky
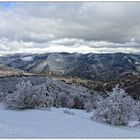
{"x":83,"y":27}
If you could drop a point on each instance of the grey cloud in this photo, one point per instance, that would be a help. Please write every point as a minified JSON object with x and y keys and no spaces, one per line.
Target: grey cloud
{"x":97,"y":25}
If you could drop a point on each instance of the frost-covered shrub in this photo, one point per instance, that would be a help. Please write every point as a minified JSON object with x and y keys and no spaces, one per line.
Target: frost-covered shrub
{"x":133,"y":123}
{"x":78,"y":102}
{"x":92,"y":102}
{"x":137,"y":109}
{"x":88,"y":106}
{"x":117,"y":108}
{"x":68,"y":112}
{"x":66,"y":100}
{"x":27,"y":96}
{"x":3,"y":96}
{"x":72,"y":100}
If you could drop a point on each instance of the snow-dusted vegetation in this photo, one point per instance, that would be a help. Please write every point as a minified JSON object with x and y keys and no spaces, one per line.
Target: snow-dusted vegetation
{"x":39,"y":92}
{"x":27,"y":96}
{"x":115,"y":107}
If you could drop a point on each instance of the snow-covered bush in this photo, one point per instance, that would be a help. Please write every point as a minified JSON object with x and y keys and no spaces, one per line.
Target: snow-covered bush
{"x":133,"y":123}
{"x":66,"y":100}
{"x":92,"y":102}
{"x":137,"y":110}
{"x":88,"y":106}
{"x":78,"y":101}
{"x":117,"y":108}
{"x":27,"y":96}
{"x":66,"y":111}
{"x":2,"y":96}
{"x":73,"y":100}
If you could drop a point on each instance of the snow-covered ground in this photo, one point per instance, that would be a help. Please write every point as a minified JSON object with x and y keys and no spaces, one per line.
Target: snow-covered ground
{"x":27,"y":58}
{"x":57,"y":124}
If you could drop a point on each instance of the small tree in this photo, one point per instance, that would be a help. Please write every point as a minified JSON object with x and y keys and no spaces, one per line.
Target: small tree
{"x":91,"y":102}
{"x":66,"y":100}
{"x":137,"y":110}
{"x":78,"y":101}
{"x":3,"y":96}
{"x":27,"y":96}
{"x":116,"y":108}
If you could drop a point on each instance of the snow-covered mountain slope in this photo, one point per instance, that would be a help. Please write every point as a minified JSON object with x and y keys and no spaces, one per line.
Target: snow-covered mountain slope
{"x":57,"y":124}
{"x":7,"y":71}
{"x":102,"y":67}
{"x":8,"y":84}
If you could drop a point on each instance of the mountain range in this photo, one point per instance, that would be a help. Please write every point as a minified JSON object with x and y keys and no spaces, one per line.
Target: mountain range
{"x":101,"y":67}
{"x":98,"y":72}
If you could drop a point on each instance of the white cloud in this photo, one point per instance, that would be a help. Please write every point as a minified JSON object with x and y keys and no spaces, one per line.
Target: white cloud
{"x":66,"y":45}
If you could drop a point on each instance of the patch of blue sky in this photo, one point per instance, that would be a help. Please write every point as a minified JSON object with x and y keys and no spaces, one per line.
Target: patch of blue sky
{"x":7,"y":4}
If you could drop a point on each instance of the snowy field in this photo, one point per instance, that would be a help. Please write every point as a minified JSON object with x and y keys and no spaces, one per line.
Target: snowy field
{"x":57,"y":124}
